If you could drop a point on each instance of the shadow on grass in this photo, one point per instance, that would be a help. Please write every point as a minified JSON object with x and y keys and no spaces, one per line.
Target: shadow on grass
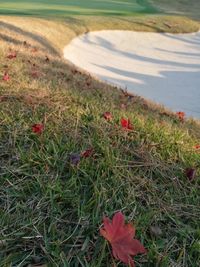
{"x":41,"y":40}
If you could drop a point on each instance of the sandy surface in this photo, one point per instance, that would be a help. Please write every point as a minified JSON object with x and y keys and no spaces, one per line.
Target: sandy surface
{"x":164,"y":68}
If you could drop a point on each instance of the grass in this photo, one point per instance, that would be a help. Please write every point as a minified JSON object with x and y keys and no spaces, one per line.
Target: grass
{"x":64,"y":8}
{"x":50,"y":210}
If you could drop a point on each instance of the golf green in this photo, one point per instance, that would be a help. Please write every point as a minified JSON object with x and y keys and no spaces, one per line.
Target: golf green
{"x":64,"y":8}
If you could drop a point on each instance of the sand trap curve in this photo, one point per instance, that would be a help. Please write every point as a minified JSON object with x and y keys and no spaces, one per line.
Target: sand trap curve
{"x":161,"y":67}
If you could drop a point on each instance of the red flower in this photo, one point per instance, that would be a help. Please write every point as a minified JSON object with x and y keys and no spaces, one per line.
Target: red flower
{"x":38,"y":128}
{"x":6,"y":77}
{"x":180,"y":115}
{"x":87,"y":153}
{"x":121,"y":239}
{"x":12,"y":55}
{"x":126,"y":124}
{"x":108,"y":116}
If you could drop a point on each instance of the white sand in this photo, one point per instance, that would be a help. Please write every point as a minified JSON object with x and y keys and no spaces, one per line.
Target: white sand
{"x":164,"y":68}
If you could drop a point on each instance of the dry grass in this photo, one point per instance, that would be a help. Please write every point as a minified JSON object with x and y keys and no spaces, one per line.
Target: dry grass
{"x":53,"y":35}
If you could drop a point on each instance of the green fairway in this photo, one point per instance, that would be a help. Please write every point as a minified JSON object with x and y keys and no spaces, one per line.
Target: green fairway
{"x":65,"y":8}
{"x":76,"y":7}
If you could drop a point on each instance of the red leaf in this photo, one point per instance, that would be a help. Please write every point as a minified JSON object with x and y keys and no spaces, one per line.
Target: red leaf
{"x":38,"y":128}
{"x":197,"y":147}
{"x":107,"y":116}
{"x":126,"y":124}
{"x":121,"y":239}
{"x":180,"y":115}
{"x":6,"y":77}
{"x":12,"y":55}
{"x":87,"y":153}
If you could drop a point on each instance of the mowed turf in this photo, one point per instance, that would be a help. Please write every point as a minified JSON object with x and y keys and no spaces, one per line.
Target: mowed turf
{"x":51,"y":210}
{"x":76,"y":7}
{"x":65,"y":8}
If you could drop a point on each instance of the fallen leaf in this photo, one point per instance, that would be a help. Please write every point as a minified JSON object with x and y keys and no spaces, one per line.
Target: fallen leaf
{"x":107,"y":116}
{"x":37,"y":128}
{"x":87,"y":153}
{"x":120,"y":236}
{"x":126,"y":124}
{"x":6,"y":77}
{"x":190,"y":173}
{"x":197,"y":147}
{"x":12,"y":55}
{"x":180,"y":115}
{"x":75,"y":159}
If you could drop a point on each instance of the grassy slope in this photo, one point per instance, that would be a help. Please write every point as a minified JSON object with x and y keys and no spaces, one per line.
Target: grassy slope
{"x":50,"y":210}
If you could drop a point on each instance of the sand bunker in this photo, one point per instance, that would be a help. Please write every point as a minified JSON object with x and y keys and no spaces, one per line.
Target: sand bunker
{"x":161,"y":67}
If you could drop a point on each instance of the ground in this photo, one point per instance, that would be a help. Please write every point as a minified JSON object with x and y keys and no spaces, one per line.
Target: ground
{"x":51,"y":210}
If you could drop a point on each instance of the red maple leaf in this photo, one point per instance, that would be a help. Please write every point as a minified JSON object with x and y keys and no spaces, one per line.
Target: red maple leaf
{"x":108,"y":116}
{"x":87,"y":153}
{"x":6,"y":77}
{"x":197,"y":147}
{"x":180,"y":115}
{"x":126,"y":124}
{"x":120,"y":236}
{"x":12,"y":55}
{"x":38,"y":128}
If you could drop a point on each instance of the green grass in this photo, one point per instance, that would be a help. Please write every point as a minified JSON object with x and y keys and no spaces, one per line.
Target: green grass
{"x":51,"y":211}
{"x":64,"y":8}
